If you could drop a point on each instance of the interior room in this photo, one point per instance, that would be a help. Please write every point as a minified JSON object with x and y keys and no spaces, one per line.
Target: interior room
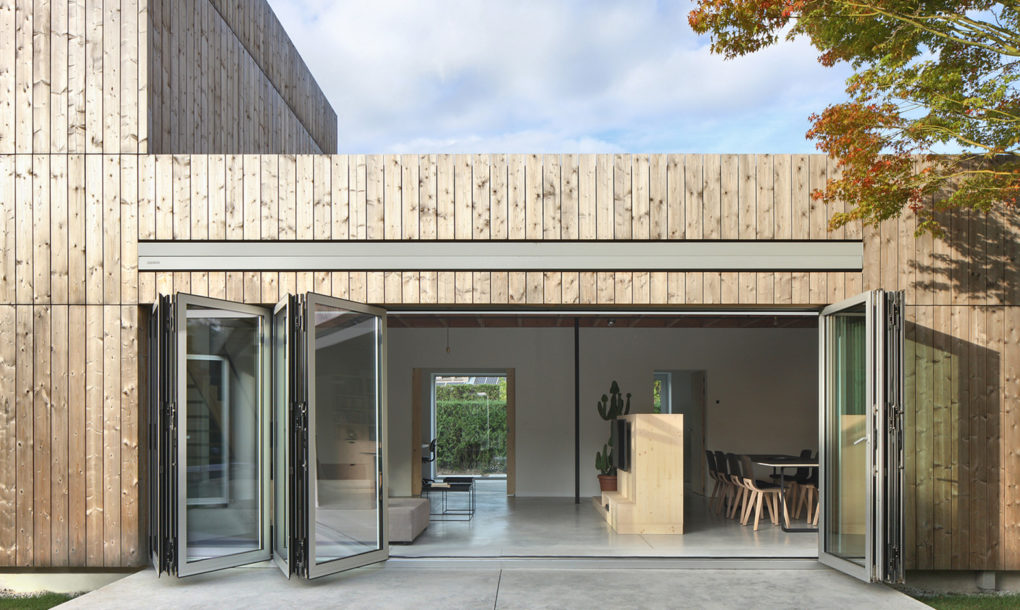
{"x":744,"y":383}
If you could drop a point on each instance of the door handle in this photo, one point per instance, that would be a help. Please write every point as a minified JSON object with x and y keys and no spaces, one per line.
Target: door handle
{"x":859,"y":441}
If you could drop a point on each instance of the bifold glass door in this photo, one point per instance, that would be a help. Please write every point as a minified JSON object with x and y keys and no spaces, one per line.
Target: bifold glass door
{"x":346,"y":502}
{"x":286,"y":454}
{"x":263,"y":417}
{"x":861,"y":433}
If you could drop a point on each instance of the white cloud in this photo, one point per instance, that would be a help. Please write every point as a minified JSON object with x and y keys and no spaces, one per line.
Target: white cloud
{"x":541,"y":76}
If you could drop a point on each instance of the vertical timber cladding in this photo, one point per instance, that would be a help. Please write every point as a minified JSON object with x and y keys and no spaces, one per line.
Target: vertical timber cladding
{"x":73,"y":76}
{"x":226,"y":78}
{"x":70,"y":415}
{"x":964,"y":320}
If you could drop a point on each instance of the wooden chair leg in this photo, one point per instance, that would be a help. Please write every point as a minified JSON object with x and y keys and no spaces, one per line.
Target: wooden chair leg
{"x":814,"y":520}
{"x":803,"y":503}
{"x":750,"y":506}
{"x":757,"y":511}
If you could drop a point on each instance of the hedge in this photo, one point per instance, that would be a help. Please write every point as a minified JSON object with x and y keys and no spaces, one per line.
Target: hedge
{"x":460,"y":430}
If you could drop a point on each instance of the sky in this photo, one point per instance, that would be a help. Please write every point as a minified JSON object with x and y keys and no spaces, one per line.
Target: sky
{"x":565,"y":76}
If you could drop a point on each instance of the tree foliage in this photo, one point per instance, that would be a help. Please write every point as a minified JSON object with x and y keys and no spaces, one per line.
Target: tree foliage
{"x":930,"y":76}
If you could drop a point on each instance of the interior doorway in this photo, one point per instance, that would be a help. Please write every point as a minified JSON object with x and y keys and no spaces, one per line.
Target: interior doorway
{"x":686,"y":392}
{"x":469,"y":425}
{"x":463,"y":423}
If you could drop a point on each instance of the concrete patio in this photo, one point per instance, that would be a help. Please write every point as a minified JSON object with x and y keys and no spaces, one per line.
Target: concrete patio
{"x":507,"y":583}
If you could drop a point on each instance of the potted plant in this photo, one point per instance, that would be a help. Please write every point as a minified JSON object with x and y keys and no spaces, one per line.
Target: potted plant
{"x":609,"y":408}
{"x":604,"y":464}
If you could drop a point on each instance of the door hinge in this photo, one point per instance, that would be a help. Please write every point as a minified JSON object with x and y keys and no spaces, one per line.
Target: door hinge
{"x":893,"y":565}
{"x":171,"y":321}
{"x":299,"y":555}
{"x":171,"y":553}
{"x":301,"y":416}
{"x":894,"y":417}
{"x":893,"y":316}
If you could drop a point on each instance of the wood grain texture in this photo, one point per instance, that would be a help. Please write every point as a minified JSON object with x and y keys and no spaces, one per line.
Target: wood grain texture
{"x":550,"y":189}
{"x":82,"y":216}
{"x":8,"y":438}
{"x":261,"y":99}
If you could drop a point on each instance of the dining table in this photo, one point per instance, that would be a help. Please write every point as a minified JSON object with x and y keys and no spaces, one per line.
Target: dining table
{"x":779,"y":463}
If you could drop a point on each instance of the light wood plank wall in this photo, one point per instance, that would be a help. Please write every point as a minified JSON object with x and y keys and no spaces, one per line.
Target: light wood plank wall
{"x":139,"y":76}
{"x":70,"y":424}
{"x":962,"y":293}
{"x":73,"y":76}
{"x":227,"y":79}
{"x":70,"y":417}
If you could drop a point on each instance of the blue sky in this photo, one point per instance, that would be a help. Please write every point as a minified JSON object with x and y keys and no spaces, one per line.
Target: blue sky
{"x":550,"y":76}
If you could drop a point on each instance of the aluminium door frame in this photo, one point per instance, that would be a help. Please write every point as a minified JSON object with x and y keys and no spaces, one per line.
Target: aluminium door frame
{"x":868,"y":299}
{"x":884,"y":413}
{"x":286,"y":446}
{"x":315,"y":569}
{"x":185,"y":568}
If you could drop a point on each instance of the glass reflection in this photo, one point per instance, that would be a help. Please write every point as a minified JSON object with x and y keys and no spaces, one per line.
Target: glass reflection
{"x":346,"y":433}
{"x":223,"y":409}
{"x":847,"y":430}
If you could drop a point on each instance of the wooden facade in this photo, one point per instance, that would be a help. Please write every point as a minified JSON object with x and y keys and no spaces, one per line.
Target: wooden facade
{"x":155,"y":76}
{"x":217,"y":64}
{"x":73,"y":303}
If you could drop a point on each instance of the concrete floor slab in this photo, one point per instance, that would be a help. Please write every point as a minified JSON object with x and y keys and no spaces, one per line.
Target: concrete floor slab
{"x":419,"y":584}
{"x":552,"y":527}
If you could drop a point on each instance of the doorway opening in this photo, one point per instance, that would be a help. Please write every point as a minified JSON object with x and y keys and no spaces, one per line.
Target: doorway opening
{"x":469,"y":425}
{"x":685,"y":392}
{"x":762,"y":398}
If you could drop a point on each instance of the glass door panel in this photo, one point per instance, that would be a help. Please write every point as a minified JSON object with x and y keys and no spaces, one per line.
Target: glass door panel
{"x":346,"y":504}
{"x":283,"y":466}
{"x":846,"y":436}
{"x":860,"y":461}
{"x":222,"y":438}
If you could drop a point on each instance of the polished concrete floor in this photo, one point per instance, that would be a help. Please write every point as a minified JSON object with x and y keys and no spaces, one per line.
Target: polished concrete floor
{"x":479,"y":583}
{"x":544,"y":527}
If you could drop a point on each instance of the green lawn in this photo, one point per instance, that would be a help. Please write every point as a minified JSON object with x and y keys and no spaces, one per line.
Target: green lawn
{"x":976,"y":602}
{"x":34,"y":602}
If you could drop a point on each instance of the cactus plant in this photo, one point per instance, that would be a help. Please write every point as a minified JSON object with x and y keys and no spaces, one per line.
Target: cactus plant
{"x":612,"y":407}
{"x":604,"y":461}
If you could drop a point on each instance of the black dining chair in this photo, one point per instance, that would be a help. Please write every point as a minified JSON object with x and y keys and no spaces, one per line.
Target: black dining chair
{"x":724,"y":474}
{"x":736,"y":476}
{"x":808,"y":492}
{"x":722,"y":485}
{"x":713,"y":473}
{"x":799,"y":478}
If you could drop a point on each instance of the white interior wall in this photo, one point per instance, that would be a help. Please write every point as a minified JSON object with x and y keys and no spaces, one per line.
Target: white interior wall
{"x":762,"y":389}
